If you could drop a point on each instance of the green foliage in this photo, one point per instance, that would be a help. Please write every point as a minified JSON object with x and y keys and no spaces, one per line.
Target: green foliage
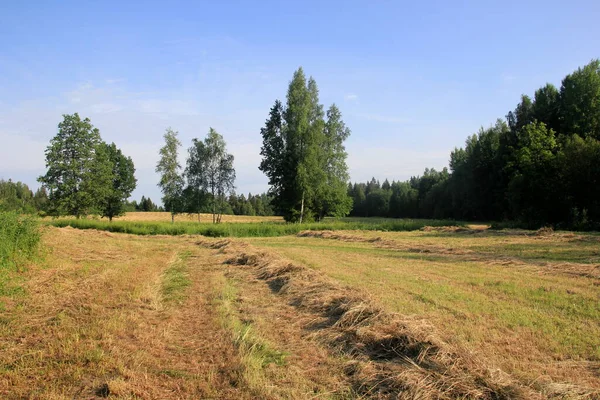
{"x":120,"y":180}
{"x":540,"y":167}
{"x":303,"y":155}
{"x":145,"y":204}
{"x":85,"y":175}
{"x":16,"y":196}
{"x":209,"y":171}
{"x":580,"y":101}
{"x":171,"y":182}
{"x":19,"y":239}
{"x":250,"y":229}
{"x":71,"y":161}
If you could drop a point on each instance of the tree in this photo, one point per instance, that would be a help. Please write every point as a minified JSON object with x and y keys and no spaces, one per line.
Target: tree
{"x":580,"y":101}
{"x":171,"y":182}
{"x":546,"y":106}
{"x":210,"y":169}
{"x":70,"y":159}
{"x":122,"y":182}
{"x":16,"y":196}
{"x":303,"y":155}
{"x":332,"y":198}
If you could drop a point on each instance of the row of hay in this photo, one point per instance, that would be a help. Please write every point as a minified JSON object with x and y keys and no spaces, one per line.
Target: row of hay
{"x":390,"y":356}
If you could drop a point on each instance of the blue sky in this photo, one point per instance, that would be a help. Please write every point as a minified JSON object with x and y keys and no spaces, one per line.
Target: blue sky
{"x":412,"y":79}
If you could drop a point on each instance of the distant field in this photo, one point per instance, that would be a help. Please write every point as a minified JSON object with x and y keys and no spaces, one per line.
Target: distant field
{"x":238,"y":226}
{"x":528,"y":303}
{"x":166,"y":217}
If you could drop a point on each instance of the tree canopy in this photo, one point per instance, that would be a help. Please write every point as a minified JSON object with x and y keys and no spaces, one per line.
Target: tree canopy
{"x":171,"y":180}
{"x":85,"y":175}
{"x":303,"y":155}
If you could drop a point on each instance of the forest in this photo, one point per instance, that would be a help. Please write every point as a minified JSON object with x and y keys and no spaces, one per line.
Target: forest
{"x":539,"y":166}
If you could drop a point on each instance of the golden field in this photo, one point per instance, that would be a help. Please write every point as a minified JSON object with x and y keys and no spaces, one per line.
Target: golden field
{"x":436,"y":313}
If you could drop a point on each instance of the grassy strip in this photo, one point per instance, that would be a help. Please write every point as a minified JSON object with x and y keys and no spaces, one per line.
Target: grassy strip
{"x":255,"y":352}
{"x":256,"y":229}
{"x":176,"y":280}
{"x":19,"y":239}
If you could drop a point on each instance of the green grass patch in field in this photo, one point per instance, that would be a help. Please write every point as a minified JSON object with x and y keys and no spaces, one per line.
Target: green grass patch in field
{"x":176,"y":280}
{"x":257,"y":353}
{"x":255,"y":229}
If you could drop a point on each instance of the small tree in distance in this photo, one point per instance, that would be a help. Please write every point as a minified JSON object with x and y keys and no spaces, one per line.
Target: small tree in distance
{"x":171,"y":182}
{"x":210,"y":170}
{"x":121,"y":184}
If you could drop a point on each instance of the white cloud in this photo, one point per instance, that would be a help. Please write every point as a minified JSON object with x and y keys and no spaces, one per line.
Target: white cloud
{"x":508,"y":78}
{"x":351,"y":97}
{"x":383,"y":118}
{"x":111,"y":81}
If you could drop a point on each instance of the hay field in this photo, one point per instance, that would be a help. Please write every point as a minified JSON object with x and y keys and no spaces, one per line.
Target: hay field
{"x":527,"y":302}
{"x":166,"y":217}
{"x":440,"y":313}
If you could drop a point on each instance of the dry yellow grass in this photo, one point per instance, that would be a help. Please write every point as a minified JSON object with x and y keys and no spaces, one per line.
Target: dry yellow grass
{"x":439,"y":314}
{"x":141,"y":318}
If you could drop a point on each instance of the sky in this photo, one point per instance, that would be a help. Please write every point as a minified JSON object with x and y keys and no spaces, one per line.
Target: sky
{"x":412,"y":79}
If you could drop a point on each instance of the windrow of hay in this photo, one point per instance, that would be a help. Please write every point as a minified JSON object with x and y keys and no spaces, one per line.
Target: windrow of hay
{"x":390,"y":356}
{"x":565,"y":268}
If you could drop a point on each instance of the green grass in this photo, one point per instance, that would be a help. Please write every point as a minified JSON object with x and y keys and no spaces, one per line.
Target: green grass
{"x":513,"y":312}
{"x":256,"y":229}
{"x":256,"y":353}
{"x":19,"y":240}
{"x":176,"y":280}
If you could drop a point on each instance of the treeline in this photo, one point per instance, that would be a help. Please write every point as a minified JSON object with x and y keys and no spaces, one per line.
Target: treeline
{"x":539,"y":166}
{"x":16,"y":196}
{"x":252,"y":205}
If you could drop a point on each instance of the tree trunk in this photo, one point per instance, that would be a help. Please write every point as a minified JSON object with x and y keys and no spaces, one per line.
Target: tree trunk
{"x":172,"y":218}
{"x":302,"y":208}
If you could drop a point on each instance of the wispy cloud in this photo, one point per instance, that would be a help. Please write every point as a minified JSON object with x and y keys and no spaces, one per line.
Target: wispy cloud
{"x":351,"y":97}
{"x":112,"y":81}
{"x":384,"y":118}
{"x":508,"y":78}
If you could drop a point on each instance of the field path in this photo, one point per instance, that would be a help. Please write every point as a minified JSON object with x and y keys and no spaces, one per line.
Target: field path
{"x":95,"y":323}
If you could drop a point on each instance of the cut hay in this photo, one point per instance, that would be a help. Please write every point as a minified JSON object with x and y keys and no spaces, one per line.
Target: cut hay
{"x":389,"y":355}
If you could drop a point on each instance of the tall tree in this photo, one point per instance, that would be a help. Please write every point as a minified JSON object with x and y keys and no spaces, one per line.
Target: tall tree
{"x":171,"y":182}
{"x":333,"y":199}
{"x":210,"y":169}
{"x":70,"y":159}
{"x":296,"y":153}
{"x":121,"y":183}
{"x":580,"y":101}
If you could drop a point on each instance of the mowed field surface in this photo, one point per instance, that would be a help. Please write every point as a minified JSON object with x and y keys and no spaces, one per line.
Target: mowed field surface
{"x":441,"y":313}
{"x":528,"y":303}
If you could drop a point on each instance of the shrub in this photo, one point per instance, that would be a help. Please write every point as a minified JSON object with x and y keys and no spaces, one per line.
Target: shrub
{"x":19,"y":239}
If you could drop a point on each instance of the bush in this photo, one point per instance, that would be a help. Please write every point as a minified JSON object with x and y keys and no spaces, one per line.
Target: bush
{"x":19,"y":239}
